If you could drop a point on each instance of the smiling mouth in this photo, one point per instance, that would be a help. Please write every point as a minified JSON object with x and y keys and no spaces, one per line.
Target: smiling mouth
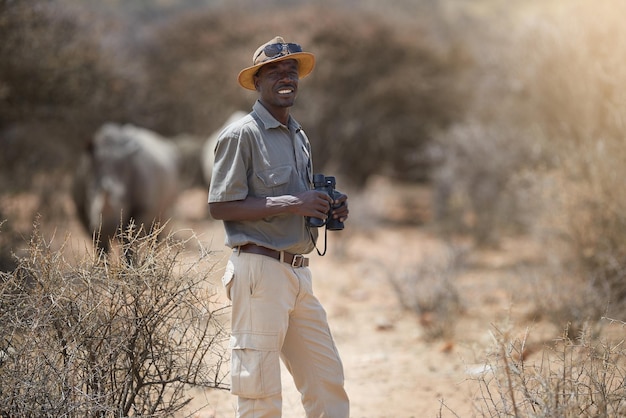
{"x":285,"y":91}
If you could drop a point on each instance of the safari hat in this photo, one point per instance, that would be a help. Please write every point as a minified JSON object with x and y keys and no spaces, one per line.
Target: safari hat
{"x":273,"y":51}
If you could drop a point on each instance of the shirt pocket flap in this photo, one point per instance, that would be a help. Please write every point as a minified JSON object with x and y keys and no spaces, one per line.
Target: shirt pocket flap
{"x":275,"y":176}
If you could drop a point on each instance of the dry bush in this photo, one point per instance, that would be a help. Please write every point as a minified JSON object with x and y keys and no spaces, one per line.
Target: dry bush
{"x":572,"y":81}
{"x":108,"y":337}
{"x":577,"y":377}
{"x":428,"y":290}
{"x":8,"y":240}
{"x":545,"y":137}
{"x":565,"y":299}
{"x":478,"y":188}
{"x":481,"y":179}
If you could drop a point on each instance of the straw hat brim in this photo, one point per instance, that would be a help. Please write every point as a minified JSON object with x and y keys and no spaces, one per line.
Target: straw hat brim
{"x":306,"y":62}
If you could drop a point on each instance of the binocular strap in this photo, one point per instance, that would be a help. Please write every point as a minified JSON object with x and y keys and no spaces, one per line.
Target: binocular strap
{"x":321,"y":254}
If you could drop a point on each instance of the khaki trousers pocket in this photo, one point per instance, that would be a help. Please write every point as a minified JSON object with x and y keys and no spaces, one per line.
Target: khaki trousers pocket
{"x":227,"y":278}
{"x":255,"y":365}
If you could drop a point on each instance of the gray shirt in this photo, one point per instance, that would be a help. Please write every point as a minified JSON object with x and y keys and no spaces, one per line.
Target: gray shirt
{"x":258,"y":156}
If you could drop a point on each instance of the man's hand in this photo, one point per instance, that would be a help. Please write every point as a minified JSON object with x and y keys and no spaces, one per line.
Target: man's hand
{"x":312,"y":203}
{"x":340,"y":206}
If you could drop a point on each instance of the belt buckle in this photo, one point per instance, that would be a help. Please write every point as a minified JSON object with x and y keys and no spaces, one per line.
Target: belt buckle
{"x":297,"y":260}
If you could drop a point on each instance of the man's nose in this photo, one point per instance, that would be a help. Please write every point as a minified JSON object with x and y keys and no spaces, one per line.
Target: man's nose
{"x":288,"y":76}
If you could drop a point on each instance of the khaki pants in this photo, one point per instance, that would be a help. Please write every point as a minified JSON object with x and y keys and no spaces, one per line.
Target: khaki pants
{"x":276,"y":316}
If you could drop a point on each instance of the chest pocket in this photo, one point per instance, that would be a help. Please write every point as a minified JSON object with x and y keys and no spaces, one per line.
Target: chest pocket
{"x":274,"y":181}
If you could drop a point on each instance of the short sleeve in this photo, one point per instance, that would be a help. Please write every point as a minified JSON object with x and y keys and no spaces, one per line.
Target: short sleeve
{"x":229,"y":179}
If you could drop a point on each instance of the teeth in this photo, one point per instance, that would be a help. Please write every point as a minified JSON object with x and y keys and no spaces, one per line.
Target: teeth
{"x":284,"y":91}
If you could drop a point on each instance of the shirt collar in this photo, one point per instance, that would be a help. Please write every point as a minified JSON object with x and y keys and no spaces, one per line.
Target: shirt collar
{"x":270,"y":121}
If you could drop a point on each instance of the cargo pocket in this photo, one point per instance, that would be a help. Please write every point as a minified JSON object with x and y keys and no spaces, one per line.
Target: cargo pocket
{"x":227,"y":278}
{"x":255,"y":365}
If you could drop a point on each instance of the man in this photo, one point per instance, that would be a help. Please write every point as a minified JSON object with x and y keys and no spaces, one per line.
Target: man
{"x":261,"y":188}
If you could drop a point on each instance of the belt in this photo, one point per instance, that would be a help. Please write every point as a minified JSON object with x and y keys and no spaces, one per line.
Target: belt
{"x":295,"y":260}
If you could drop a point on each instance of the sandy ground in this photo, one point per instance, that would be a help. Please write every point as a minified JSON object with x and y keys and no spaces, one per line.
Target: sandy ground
{"x":392,"y":369}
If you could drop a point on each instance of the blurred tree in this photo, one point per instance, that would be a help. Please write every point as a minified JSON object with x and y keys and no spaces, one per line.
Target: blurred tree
{"x":379,"y":97}
{"x":191,"y":63}
{"x":379,"y":92}
{"x":57,"y":83}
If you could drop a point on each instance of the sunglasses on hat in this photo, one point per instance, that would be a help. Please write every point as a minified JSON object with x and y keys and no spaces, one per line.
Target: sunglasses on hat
{"x":278,"y":50}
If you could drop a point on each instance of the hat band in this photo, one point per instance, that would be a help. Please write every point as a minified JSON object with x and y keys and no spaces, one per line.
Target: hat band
{"x":276,"y":51}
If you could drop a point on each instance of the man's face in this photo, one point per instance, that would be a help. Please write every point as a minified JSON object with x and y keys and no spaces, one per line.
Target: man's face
{"x":277,"y":83}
